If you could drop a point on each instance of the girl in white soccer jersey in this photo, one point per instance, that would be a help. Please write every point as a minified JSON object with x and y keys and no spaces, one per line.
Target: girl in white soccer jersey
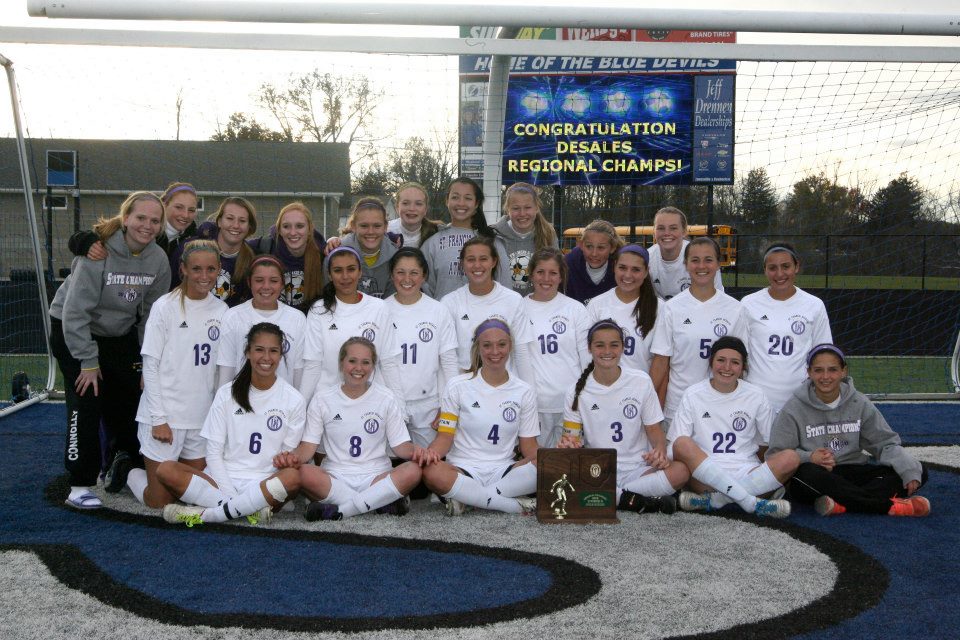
{"x":785,"y":323}
{"x":179,"y":355}
{"x":354,"y":422}
{"x":266,"y":284}
{"x":481,"y":298}
{"x":612,"y":406}
{"x":443,"y":249}
{"x":689,"y":323}
{"x":560,"y":349}
{"x":253,"y":422}
{"x":632,"y":304}
{"x":484,"y":415}
{"x":428,"y":343}
{"x":721,"y":432}
{"x":411,"y":201}
{"x":667,"y":266}
{"x":523,"y":230}
{"x":343,"y":312}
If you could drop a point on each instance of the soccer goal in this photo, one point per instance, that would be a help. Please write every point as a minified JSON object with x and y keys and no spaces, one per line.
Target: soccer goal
{"x":851,"y":152}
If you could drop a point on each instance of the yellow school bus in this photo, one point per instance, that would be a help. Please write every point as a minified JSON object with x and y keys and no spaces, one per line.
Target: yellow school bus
{"x":724,"y":234}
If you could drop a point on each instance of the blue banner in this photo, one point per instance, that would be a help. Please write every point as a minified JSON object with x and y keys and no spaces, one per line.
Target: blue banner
{"x":480,"y":65}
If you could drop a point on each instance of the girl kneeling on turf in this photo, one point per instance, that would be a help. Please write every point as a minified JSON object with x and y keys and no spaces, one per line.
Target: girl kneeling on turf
{"x":851,"y":458}
{"x":484,"y":415}
{"x":612,"y":406}
{"x":354,"y":423}
{"x":252,"y":424}
{"x":730,"y":420}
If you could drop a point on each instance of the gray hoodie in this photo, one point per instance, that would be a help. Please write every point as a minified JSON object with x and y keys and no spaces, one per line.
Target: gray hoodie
{"x":516,"y":254}
{"x":107,"y":297}
{"x":376,"y":280}
{"x":442,"y":251}
{"x":851,"y":431}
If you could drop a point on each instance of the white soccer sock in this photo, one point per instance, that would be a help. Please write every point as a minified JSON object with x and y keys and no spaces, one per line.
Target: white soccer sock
{"x":718,"y":500}
{"x":379,"y":494}
{"x":468,"y":491}
{"x":760,"y":481}
{"x":520,"y":481}
{"x":137,"y":481}
{"x":202,"y":493}
{"x":713,"y":475}
{"x":652,"y":485}
{"x":250,"y":501}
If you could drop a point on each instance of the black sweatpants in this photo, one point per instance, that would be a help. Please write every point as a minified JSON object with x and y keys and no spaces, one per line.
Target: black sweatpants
{"x":116,"y":404}
{"x":861,"y":488}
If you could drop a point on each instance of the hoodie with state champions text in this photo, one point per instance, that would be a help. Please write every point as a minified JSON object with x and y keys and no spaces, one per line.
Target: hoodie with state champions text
{"x":852,"y":430}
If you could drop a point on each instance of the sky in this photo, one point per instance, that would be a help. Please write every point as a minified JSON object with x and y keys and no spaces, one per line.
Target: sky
{"x":131,"y":93}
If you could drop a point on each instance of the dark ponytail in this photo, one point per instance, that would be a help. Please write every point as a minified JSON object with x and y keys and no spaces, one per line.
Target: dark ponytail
{"x":581,"y":383}
{"x":240,"y":389}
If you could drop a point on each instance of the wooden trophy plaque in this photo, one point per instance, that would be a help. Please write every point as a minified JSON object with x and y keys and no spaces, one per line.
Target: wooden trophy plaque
{"x":577,"y":486}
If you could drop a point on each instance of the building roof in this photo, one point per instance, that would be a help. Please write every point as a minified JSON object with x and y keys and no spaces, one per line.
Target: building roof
{"x":212,"y":167}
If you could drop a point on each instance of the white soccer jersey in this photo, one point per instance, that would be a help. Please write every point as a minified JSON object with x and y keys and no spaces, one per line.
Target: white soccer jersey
{"x":636,"y":346}
{"x":326,"y":332}
{"x":251,"y":440}
{"x":354,"y":433}
{"x":616,"y":416}
{"x":186,"y":342}
{"x":728,"y":427}
{"x":468,"y":311}
{"x":782,"y":332}
{"x":237,"y":322}
{"x":487,"y":422}
{"x":560,"y":351}
{"x":686,"y":328}
{"x":670,"y":277}
{"x":424,"y":331}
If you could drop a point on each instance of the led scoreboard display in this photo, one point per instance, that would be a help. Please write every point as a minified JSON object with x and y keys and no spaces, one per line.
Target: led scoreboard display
{"x":619,"y":129}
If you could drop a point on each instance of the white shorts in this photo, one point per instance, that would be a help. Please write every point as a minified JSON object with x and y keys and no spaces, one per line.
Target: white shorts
{"x":486,"y":473}
{"x":358,"y":482}
{"x":422,"y":414}
{"x":187,"y":444}
{"x":551,"y":426}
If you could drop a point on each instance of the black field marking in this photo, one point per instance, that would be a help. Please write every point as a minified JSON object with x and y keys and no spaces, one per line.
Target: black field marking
{"x":572,"y":583}
{"x":861,"y":582}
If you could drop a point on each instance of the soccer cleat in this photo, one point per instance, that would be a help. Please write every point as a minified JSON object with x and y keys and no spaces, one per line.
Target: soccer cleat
{"x":772,"y":508}
{"x":116,"y":477}
{"x":456,"y":508}
{"x":320,"y":511}
{"x":630,"y":501}
{"x":827,"y":506}
{"x":399,"y":507}
{"x":691,"y":501}
{"x":528,"y":506}
{"x":916,"y":506}
{"x":182,"y":514}
{"x":263,"y":516}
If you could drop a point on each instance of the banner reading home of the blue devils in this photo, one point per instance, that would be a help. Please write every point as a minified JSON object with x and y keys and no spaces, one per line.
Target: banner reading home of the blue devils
{"x":619,"y":129}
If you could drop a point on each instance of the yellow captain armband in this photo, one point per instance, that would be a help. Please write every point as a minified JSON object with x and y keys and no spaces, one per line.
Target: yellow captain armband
{"x":573,"y":430}
{"x":448,"y":423}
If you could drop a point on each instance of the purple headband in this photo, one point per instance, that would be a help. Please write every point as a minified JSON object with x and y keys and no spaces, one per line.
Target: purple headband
{"x":637,"y":249}
{"x":825,"y":347}
{"x":183,"y":187}
{"x":606,"y":323}
{"x":340,"y":249}
{"x":490,"y":323}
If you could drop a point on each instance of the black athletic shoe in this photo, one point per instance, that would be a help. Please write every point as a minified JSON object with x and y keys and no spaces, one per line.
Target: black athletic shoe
{"x":319,"y":511}
{"x":399,"y":507}
{"x":116,"y":476}
{"x":630,"y":501}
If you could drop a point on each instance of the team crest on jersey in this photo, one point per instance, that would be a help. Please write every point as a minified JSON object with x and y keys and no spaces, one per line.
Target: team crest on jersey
{"x":739,"y":423}
{"x":684,"y":285}
{"x":798,"y":327}
{"x":837,"y":444}
{"x":274,"y":423}
{"x":426,"y":334}
{"x":630,"y":411}
{"x":213,"y":332}
{"x":371,"y":426}
{"x":559,"y":326}
{"x":285,"y":346}
{"x":129,"y":295}
{"x":720,"y":330}
{"x":369,"y":334}
{"x":510,"y":414}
